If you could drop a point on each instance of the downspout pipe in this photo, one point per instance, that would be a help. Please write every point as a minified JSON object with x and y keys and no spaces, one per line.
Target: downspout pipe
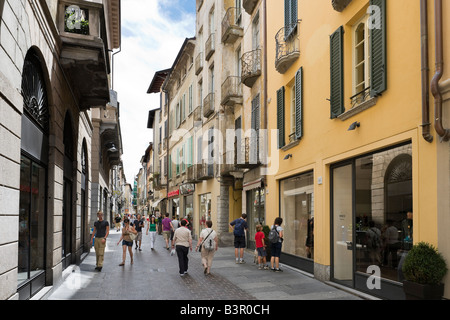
{"x":425,"y":70}
{"x":441,"y":131}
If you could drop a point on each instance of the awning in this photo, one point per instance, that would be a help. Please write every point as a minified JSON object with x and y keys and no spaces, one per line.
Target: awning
{"x":155,"y":204}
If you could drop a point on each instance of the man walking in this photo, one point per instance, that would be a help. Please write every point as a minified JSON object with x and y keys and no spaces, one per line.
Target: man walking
{"x":101,"y":232}
{"x":138,"y":224}
{"x":239,"y":227}
{"x":167,"y":228}
{"x":182,"y":242}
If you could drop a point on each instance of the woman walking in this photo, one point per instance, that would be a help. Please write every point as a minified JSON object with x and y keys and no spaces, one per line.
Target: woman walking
{"x":151,"y":227}
{"x":127,"y":242}
{"x":210,"y":243}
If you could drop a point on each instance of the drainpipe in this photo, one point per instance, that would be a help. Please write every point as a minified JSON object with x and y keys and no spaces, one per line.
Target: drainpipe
{"x":425,"y":71}
{"x":442,"y":132}
{"x":265,"y":84}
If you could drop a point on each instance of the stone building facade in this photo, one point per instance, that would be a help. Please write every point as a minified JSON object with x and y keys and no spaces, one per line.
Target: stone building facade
{"x":47,"y":89}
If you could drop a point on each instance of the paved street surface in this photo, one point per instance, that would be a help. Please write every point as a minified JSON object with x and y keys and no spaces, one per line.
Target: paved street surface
{"x":154,"y":276}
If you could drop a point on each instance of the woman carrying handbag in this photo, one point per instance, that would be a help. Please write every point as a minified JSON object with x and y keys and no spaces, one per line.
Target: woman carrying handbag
{"x":127,"y":238}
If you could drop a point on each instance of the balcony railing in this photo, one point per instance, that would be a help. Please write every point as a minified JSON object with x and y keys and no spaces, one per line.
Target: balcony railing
{"x":251,"y":67}
{"x":232,"y":91}
{"x":209,"y":47}
{"x":208,"y":105}
{"x":287,"y":47}
{"x":199,"y":63}
{"x":360,"y":97}
{"x":231,"y":30}
{"x":205,"y":170}
{"x":247,"y":153}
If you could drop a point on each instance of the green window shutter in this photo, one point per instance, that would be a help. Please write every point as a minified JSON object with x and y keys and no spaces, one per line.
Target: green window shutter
{"x":255,"y":123}
{"x":378,"y":72}
{"x":337,"y":72}
{"x":190,"y":152}
{"x":280,"y":117}
{"x":299,"y":104}
{"x":290,"y":16}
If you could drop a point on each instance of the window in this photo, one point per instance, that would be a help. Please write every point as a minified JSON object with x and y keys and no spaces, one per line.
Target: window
{"x":280,"y":117}
{"x":297,"y":211}
{"x":190,"y":99}
{"x":369,"y":59}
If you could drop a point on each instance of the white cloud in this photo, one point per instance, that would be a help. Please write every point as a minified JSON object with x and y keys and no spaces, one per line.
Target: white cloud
{"x":152,"y":34}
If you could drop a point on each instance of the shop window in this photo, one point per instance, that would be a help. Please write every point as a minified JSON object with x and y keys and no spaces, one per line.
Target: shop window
{"x":297,"y":211}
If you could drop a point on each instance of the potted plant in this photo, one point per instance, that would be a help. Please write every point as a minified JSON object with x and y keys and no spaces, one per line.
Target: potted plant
{"x":423,"y":269}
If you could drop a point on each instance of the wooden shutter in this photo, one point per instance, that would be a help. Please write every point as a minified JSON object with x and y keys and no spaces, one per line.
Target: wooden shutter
{"x":378,"y":73}
{"x":337,"y":72}
{"x":280,"y":117}
{"x":290,"y":16}
{"x":254,"y":145}
{"x":299,"y":104}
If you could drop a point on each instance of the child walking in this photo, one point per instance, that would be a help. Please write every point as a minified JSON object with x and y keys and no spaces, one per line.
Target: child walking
{"x":261,"y":248}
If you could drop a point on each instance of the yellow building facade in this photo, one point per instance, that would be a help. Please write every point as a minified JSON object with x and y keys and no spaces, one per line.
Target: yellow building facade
{"x":349,"y":150}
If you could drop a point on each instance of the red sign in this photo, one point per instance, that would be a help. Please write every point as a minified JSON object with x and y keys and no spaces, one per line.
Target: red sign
{"x":173,"y":193}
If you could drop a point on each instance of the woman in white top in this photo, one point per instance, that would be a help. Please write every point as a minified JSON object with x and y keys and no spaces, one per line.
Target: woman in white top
{"x":210,"y":243}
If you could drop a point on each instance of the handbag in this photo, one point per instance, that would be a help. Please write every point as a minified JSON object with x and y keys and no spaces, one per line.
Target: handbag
{"x":132,"y":235}
{"x":200,"y":248}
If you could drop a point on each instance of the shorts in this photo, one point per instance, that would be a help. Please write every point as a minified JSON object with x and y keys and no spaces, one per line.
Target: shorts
{"x":275,"y":249}
{"x":239,"y":242}
{"x":261,"y":252}
{"x":139,"y":236}
{"x":127,"y":243}
{"x":166,"y":235}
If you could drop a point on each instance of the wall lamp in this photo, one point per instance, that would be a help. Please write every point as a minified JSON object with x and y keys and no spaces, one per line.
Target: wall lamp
{"x":354,"y":125}
{"x":288,"y":156}
{"x":112,"y":148}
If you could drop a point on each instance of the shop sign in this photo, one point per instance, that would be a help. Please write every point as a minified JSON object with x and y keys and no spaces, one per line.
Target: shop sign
{"x":173,"y":193}
{"x":187,"y":188}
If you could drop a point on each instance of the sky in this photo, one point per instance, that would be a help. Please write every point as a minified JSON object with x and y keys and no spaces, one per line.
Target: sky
{"x":153,"y":32}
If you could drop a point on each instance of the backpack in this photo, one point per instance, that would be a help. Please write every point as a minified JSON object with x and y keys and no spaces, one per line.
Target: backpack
{"x":208,"y":242}
{"x":274,"y":236}
{"x":238,"y":229}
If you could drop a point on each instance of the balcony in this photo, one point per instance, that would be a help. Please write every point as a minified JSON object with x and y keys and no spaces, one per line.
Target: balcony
{"x":191,"y":174}
{"x":232,"y":91}
{"x":199,"y":63}
{"x":209,"y":47}
{"x":231,"y":30}
{"x":340,"y":5}
{"x":246,"y":155}
{"x":251,"y":67}
{"x":205,"y":171}
{"x":287,"y":47}
{"x":249,"y":5}
{"x":84,"y":51}
{"x":208,"y":105}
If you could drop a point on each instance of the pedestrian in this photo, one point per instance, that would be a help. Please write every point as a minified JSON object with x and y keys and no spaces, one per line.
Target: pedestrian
{"x":166,"y":227}
{"x":239,"y":227}
{"x":261,"y":248}
{"x":209,"y":244}
{"x":175,"y":225}
{"x":117,"y":220}
{"x":127,"y":242}
{"x":101,"y":232}
{"x":182,"y":243}
{"x":152,"y":225}
{"x":275,"y":247}
{"x":138,"y":224}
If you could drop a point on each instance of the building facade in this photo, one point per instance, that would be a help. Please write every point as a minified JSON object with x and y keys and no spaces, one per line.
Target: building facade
{"x":351,"y":87}
{"x":49,"y":86}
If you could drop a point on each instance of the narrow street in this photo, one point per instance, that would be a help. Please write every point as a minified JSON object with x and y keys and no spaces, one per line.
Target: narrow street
{"x":154,"y":276}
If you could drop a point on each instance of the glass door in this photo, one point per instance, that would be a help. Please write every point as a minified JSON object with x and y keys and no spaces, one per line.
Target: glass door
{"x":342,"y":216}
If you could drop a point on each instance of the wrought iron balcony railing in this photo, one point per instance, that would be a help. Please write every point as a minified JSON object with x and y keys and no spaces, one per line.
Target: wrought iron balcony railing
{"x":232,"y":91}
{"x":208,"y":105}
{"x":360,"y":97}
{"x":251,"y":67}
{"x":209,"y":46}
{"x":199,"y":63}
{"x":231,"y":30}
{"x":287,"y":47}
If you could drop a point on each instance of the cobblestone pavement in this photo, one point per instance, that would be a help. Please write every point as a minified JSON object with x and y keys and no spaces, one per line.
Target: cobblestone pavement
{"x":154,"y":276}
